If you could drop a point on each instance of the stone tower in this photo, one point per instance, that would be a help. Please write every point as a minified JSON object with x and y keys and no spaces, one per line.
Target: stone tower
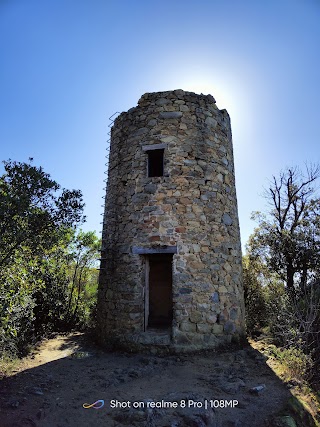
{"x":171,"y":257}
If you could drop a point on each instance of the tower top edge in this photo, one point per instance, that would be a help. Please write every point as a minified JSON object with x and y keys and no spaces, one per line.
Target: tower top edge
{"x":164,"y":97}
{"x":176,"y":93}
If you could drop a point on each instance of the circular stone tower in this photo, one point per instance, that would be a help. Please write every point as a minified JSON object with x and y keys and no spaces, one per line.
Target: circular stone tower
{"x":171,"y":256}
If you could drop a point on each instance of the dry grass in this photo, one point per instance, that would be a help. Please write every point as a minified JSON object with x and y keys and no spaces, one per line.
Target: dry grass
{"x":8,"y":366}
{"x":292,"y":366}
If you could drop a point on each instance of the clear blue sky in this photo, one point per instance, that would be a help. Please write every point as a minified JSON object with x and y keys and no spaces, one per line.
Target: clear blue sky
{"x":67,"y":65}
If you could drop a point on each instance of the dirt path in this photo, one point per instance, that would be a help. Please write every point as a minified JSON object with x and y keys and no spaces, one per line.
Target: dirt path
{"x":68,"y":371}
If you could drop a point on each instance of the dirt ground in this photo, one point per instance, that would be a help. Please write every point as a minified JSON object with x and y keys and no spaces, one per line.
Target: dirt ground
{"x":66,"y":373}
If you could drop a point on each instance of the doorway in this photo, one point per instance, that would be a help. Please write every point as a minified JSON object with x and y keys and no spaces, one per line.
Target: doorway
{"x":158,"y":292}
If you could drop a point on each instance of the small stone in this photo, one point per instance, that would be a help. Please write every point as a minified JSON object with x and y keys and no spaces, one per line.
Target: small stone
{"x":188,"y":327}
{"x":150,"y":188}
{"x":170,"y":114}
{"x":184,"y":108}
{"x":196,"y":317}
{"x":168,"y":139}
{"x":189,"y":162}
{"x":215,"y":297}
{"x":258,"y":389}
{"x":229,"y":327}
{"x":163,"y":101}
{"x":212,"y":318}
{"x":184,"y":291}
{"x":36,"y":391}
{"x":211,"y":98}
{"x":141,"y":131}
{"x":233,"y":313}
{"x":221,"y":318}
{"x":217,"y":329}
{"x":210,"y":121}
{"x":14,"y":403}
{"x":203,"y":328}
{"x":226,"y":219}
{"x":196,"y":248}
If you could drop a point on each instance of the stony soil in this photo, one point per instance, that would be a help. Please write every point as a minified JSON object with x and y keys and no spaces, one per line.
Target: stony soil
{"x":52,"y":385}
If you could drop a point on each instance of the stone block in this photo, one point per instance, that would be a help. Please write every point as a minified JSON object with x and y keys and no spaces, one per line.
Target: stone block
{"x":210,"y":121}
{"x":217,"y":329}
{"x":226,"y":219}
{"x":196,"y":317}
{"x":211,"y":318}
{"x":150,"y":188}
{"x":188,"y":327}
{"x":233,"y":313}
{"x":170,"y":114}
{"x":229,"y":327}
{"x":215,"y":297}
{"x":184,"y":291}
{"x":163,"y":101}
{"x":203,"y":328}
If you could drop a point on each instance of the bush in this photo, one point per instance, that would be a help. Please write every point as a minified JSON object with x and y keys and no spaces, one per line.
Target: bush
{"x":44,"y":294}
{"x":16,"y":311}
{"x":297,"y":365}
{"x":254,"y":298}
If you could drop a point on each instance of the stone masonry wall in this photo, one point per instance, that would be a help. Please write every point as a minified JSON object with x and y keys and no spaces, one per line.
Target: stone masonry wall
{"x":193,"y":207}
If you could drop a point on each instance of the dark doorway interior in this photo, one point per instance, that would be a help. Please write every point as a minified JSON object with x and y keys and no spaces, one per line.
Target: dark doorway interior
{"x":160,"y":291}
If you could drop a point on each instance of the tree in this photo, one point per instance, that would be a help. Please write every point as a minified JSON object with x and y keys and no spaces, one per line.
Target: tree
{"x":253,"y":294}
{"x":84,"y":249}
{"x":288,"y":237}
{"x":34,"y":210}
{"x":287,"y":244}
{"x":51,"y":297}
{"x":36,"y":222}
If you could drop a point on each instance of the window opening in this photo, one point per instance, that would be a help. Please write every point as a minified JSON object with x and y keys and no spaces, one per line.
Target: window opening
{"x":155,"y":162}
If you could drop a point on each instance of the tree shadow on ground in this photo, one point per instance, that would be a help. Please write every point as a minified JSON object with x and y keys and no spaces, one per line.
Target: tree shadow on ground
{"x":52,"y":393}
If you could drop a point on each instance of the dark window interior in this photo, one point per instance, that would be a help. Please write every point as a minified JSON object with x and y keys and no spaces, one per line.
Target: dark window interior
{"x":155,"y":162}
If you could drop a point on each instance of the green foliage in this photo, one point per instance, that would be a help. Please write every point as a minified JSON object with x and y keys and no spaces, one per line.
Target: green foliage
{"x":84,"y":249}
{"x":295,"y":362}
{"x":16,"y":307}
{"x":284,"y":255}
{"x":256,"y":310}
{"x":48,"y":277}
{"x":51,"y":299}
{"x":33,"y":212}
